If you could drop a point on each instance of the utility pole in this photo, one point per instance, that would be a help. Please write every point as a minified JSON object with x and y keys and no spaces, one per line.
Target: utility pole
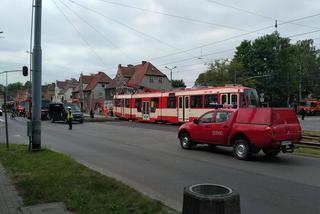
{"x":5,"y":111}
{"x":81,"y":93}
{"x":170,"y":69}
{"x":36,"y":78}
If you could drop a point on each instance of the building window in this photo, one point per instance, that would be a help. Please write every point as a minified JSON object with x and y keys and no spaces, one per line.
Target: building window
{"x":160,"y":79}
{"x":196,"y":101}
{"x":151,"y":79}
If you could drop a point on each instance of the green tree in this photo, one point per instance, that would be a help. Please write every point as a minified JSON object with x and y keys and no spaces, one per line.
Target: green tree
{"x":13,"y":88}
{"x":281,"y":70}
{"x":216,"y":75}
{"x":178,"y":84}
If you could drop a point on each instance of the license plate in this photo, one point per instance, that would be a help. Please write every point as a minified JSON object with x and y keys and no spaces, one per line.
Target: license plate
{"x":285,"y":143}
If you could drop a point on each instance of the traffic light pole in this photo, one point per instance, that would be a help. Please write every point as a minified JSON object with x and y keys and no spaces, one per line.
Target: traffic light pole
{"x":36,"y":79}
{"x":25,"y":73}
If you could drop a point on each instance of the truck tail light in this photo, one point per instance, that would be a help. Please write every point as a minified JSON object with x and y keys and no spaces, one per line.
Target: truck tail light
{"x":268,"y":129}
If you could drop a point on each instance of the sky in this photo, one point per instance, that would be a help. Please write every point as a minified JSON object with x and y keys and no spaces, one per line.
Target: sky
{"x":87,"y":36}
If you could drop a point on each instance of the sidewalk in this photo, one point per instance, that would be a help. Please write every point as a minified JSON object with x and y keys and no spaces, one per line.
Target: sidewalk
{"x":11,"y":203}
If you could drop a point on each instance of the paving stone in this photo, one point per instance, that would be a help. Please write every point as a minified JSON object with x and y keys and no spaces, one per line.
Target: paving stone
{"x":10,"y":202}
{"x":50,"y":208}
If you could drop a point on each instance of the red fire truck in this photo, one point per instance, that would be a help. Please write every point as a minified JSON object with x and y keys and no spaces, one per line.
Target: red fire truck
{"x":182,"y":105}
{"x":310,"y":106}
{"x":247,"y":130}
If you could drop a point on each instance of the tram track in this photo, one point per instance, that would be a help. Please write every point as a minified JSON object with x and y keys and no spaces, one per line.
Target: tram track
{"x":311,"y":140}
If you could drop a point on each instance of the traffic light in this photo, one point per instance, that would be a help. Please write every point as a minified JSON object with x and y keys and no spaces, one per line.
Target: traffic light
{"x":25,"y":71}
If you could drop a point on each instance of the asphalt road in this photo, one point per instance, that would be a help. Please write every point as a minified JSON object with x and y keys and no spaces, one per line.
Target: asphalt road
{"x":149,"y":158}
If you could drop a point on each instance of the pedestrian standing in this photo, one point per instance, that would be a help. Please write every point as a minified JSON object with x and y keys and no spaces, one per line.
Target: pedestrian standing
{"x":303,"y":113}
{"x":69,"y":117}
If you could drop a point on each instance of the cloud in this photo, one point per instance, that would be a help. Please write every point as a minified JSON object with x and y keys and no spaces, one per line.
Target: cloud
{"x":128,"y":36}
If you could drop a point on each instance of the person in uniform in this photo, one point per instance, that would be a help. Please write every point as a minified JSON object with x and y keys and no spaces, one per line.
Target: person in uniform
{"x":69,"y":117}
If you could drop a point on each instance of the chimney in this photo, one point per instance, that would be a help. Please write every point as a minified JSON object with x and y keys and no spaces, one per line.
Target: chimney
{"x":144,"y":62}
{"x":119,"y":66}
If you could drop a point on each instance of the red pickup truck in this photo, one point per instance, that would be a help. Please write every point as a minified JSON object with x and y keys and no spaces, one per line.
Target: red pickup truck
{"x":247,"y":130}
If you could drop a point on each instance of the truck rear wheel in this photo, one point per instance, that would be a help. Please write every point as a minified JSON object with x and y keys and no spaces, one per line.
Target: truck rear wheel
{"x":185,"y":141}
{"x":270,"y":152}
{"x":242,"y":149}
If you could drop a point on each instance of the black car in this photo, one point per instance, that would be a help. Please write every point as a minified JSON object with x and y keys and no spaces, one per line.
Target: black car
{"x":58,"y":112}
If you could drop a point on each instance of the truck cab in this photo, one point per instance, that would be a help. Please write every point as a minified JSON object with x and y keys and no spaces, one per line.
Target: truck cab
{"x":247,"y":130}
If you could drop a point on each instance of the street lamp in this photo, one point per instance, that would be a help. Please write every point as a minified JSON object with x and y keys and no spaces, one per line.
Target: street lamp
{"x":170,"y":69}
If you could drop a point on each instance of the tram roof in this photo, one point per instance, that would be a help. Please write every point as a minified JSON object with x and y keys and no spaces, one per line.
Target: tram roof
{"x":193,"y":91}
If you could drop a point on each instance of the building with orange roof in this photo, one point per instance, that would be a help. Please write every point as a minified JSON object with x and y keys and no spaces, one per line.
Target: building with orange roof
{"x":142,"y":77}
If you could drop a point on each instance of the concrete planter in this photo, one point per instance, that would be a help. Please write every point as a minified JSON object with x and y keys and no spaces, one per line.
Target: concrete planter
{"x":210,"y":199}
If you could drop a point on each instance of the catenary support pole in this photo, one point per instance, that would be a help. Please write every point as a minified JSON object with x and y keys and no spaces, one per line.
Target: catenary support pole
{"x":5,"y":114}
{"x":36,"y":78}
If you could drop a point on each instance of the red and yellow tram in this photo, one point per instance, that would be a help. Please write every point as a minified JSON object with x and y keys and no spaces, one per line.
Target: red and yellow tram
{"x":181,"y":105}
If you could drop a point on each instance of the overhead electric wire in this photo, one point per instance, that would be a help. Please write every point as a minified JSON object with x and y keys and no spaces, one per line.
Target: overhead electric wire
{"x":301,"y":34}
{"x":79,"y":34}
{"x":124,"y":25}
{"x":173,"y":15}
{"x":127,"y":26}
{"x":96,"y":30}
{"x":257,"y":14}
{"x":204,"y":55}
{"x":234,"y":37}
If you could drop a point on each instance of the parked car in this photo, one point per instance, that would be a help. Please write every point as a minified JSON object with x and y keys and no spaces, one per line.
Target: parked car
{"x":58,"y":112}
{"x":247,"y":130}
{"x":45,"y":109}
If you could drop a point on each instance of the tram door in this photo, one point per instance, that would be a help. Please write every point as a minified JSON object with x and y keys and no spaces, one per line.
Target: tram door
{"x":146,"y":110}
{"x":122,"y":107}
{"x":183,"y":109}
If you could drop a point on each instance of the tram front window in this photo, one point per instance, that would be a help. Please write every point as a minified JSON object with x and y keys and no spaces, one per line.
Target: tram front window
{"x":252,"y":98}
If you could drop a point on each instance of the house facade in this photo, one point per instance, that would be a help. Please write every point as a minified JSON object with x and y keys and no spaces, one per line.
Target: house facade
{"x":48,"y":91}
{"x":91,"y":91}
{"x":142,"y":77}
{"x":63,"y":90}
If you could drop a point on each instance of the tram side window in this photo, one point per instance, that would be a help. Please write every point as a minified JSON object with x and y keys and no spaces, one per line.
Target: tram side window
{"x":242,"y":101}
{"x":127,"y":103}
{"x":137,"y":104}
{"x":234,"y":100}
{"x":196,"y":101}
{"x":117,"y":102}
{"x":154,"y":104}
{"x":210,"y":100}
{"x":171,"y":102}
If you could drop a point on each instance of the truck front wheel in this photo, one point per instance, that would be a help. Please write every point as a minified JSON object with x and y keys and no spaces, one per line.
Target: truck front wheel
{"x":242,"y":149}
{"x":185,"y":141}
{"x":270,"y":152}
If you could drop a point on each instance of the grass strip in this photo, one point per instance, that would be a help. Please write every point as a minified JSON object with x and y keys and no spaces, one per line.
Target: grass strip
{"x":47,"y":176}
{"x":307,"y":150}
{"x":307,"y":132}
